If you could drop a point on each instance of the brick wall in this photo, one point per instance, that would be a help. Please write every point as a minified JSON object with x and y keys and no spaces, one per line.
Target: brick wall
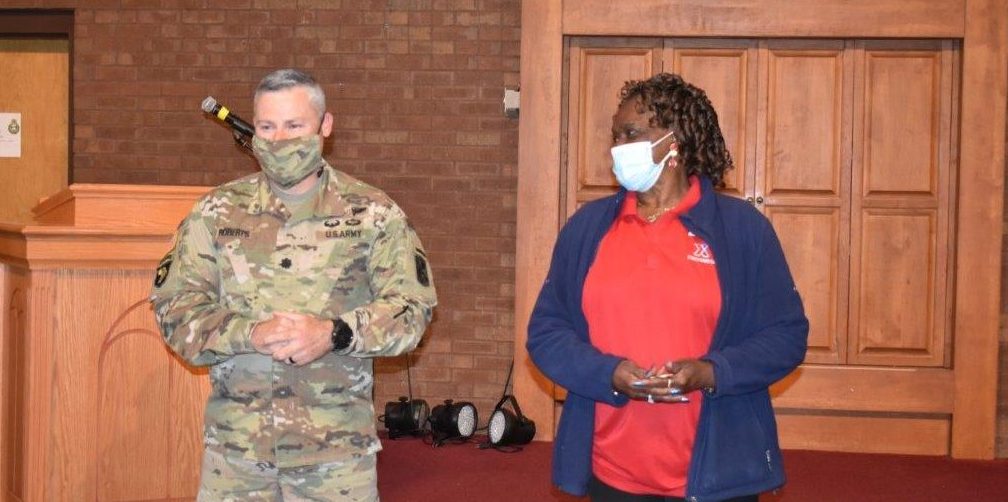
{"x":415,"y":86}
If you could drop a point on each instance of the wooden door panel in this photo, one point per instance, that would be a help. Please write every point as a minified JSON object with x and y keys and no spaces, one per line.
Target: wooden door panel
{"x":902,"y":113}
{"x":897,"y":289}
{"x":803,"y":177}
{"x":726,"y":71}
{"x":811,"y":241}
{"x":866,"y":389}
{"x":807,"y":122}
{"x":902,"y":434}
{"x":902,"y":174}
{"x":768,"y":18}
{"x":598,"y":68}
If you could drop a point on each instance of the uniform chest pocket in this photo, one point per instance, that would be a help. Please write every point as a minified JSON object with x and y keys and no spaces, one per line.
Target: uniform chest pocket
{"x":241,"y":265}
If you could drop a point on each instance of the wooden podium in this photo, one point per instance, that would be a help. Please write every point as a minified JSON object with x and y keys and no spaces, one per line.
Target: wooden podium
{"x":94,"y":406}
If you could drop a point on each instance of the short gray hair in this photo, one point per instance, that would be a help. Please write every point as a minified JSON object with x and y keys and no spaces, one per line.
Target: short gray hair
{"x":289,"y":77}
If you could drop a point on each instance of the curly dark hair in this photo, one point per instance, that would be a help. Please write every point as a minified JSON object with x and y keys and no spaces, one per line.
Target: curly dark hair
{"x":688,"y":113}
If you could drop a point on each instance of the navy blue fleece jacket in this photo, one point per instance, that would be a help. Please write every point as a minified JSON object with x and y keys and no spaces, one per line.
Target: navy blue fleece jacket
{"x":761,"y":336}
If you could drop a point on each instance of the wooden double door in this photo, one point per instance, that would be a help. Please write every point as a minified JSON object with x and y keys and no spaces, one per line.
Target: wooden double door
{"x":875,"y":149}
{"x":845,"y":145}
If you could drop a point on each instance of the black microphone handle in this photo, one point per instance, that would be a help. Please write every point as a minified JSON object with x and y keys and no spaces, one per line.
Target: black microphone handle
{"x":239,"y":125}
{"x":242,"y":140}
{"x":223,"y":113}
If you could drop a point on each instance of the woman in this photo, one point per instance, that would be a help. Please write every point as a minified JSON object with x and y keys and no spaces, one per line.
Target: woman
{"x":667,"y":313}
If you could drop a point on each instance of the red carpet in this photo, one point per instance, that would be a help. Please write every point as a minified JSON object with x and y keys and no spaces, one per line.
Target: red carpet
{"x":827,"y":476}
{"x":409,"y":470}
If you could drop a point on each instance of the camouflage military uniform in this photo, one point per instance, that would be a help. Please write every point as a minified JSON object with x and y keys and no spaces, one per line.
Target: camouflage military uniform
{"x":241,"y":255}
{"x":230,"y":480}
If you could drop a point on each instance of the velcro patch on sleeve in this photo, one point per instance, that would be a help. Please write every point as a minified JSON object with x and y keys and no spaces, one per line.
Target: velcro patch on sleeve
{"x":422,"y":275}
{"x":162,"y":271}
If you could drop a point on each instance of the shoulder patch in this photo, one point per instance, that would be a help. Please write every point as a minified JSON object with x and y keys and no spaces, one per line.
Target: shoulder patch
{"x":423,"y":277}
{"x":162,"y":271}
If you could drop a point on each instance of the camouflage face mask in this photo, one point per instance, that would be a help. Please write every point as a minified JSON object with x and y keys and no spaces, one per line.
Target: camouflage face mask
{"x":288,"y":161}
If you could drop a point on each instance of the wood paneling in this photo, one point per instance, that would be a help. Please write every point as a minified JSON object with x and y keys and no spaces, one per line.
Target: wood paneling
{"x":598,"y":68}
{"x":538,"y":217}
{"x":897,"y":322}
{"x":864,"y":433}
{"x":767,"y":18}
{"x":116,"y":206}
{"x":14,"y":286}
{"x":814,"y":242}
{"x":902,"y":103}
{"x":145,"y":407}
{"x":40,"y":343}
{"x":100,"y":226}
{"x":979,"y":228}
{"x":803,"y":178}
{"x":94,"y":247}
{"x":807,"y":122}
{"x":866,"y":389}
{"x":185,"y":428}
{"x":900,"y":207}
{"x":116,"y":424}
{"x":726,"y":71}
{"x":134,"y":432}
{"x":95,"y":407}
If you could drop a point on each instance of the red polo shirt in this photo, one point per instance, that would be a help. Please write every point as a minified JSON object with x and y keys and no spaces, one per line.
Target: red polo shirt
{"x":651,"y":296}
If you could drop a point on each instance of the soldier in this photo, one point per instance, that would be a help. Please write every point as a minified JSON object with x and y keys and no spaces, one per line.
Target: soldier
{"x":285,"y":283}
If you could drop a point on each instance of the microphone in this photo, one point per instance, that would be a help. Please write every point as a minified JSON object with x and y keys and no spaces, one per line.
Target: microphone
{"x":211,"y":106}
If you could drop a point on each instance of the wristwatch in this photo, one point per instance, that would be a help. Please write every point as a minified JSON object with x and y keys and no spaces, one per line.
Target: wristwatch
{"x":342,"y":335}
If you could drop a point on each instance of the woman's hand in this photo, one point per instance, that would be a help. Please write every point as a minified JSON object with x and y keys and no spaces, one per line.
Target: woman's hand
{"x":626,"y":373}
{"x":689,"y":375}
{"x":645,"y":385}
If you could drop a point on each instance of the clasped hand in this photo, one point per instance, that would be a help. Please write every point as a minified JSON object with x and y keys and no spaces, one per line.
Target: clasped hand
{"x":668,"y":383}
{"x":293,"y":338}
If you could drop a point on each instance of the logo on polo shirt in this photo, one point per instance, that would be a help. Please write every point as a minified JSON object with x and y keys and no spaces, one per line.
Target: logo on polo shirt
{"x":701,"y":254}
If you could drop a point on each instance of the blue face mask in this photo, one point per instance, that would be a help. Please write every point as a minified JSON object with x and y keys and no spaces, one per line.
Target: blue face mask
{"x":634,"y":166}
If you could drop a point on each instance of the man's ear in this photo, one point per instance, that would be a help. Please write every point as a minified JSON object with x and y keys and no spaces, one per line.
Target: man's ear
{"x":327,"y":123}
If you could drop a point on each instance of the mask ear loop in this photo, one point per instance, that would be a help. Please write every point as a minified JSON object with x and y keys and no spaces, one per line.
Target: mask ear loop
{"x":656,"y":143}
{"x":672,"y":154}
{"x":673,"y":151}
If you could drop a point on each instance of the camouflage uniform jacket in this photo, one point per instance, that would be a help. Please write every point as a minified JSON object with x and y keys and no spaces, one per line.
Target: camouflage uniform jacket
{"x":239,"y":256}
